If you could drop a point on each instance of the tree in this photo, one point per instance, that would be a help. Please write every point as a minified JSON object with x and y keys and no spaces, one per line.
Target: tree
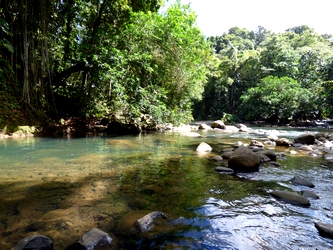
{"x":280,"y":97}
{"x":159,"y":67}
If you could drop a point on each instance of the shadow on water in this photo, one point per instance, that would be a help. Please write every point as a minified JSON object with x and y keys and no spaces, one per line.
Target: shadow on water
{"x":111,"y":182}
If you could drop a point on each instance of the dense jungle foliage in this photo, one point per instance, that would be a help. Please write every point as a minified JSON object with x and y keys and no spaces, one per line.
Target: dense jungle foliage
{"x":95,"y":58}
{"x":266,"y":76}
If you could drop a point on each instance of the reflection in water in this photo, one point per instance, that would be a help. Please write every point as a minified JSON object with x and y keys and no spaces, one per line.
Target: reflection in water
{"x":63,"y":187}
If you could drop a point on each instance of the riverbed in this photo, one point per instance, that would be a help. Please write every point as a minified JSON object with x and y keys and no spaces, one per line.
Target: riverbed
{"x":63,"y":187}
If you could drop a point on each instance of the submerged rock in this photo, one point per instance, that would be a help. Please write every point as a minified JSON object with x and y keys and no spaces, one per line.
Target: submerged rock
{"x":224,"y":170}
{"x":217,"y":158}
{"x":34,"y":242}
{"x":291,"y":198}
{"x":146,"y":223}
{"x":324,"y":229}
{"x":203,"y":148}
{"x":96,"y":239}
{"x":302,"y":182}
{"x":309,"y":194}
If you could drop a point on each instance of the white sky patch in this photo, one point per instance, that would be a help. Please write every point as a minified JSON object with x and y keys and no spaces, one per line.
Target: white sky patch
{"x":217,"y":16}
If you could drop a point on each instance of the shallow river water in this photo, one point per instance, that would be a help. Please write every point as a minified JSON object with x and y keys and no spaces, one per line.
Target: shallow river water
{"x":61,"y":188}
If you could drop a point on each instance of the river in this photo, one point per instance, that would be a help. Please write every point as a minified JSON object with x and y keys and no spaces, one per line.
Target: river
{"x":61,"y":188}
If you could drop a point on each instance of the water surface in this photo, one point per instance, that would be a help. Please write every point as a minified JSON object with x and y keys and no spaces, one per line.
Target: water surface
{"x":61,"y":188}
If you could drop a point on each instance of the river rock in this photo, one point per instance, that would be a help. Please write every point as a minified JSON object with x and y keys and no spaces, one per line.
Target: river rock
{"x":224,"y":170}
{"x":204,"y":126}
{"x":305,"y":139}
{"x":218,"y":124}
{"x":328,"y":157}
{"x":96,"y":239}
{"x":283,"y":142}
{"x":227,"y":154}
{"x":291,"y":198}
{"x":263,"y":157}
{"x":272,"y":137}
{"x":242,"y":128}
{"x":146,"y":223}
{"x":34,"y":242}
{"x":270,"y":154}
{"x":217,"y":158}
{"x":302,"y":182}
{"x":305,"y":148}
{"x":324,"y":229}
{"x":275,"y":164}
{"x":244,"y":160}
{"x":203,"y":148}
{"x":231,"y":129}
{"x":256,"y":144}
{"x":309,"y":194}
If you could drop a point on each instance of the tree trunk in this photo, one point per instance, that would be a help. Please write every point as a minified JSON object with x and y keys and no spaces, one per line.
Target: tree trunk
{"x":25,"y":92}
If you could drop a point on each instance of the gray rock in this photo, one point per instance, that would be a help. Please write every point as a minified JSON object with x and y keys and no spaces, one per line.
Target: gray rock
{"x":256,"y":144}
{"x":228,"y":150}
{"x":242,"y":128}
{"x":272,"y":137}
{"x":217,"y":158}
{"x":324,"y":135}
{"x":305,"y":148}
{"x":227,"y":155}
{"x":204,"y":126}
{"x":96,"y":239}
{"x":34,"y":242}
{"x":263,"y":158}
{"x":302,"y":182}
{"x":324,"y":229}
{"x":146,"y":223}
{"x":329,"y":157}
{"x":305,"y":139}
{"x":309,"y":194}
{"x":224,"y":170}
{"x":291,"y":198}
{"x":270,"y":154}
{"x":244,"y":160}
{"x":274,"y":164}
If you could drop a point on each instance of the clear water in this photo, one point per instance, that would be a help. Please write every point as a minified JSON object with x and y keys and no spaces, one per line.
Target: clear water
{"x":61,"y":188}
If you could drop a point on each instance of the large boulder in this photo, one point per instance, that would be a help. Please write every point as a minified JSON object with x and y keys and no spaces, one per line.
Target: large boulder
{"x":291,"y":198}
{"x":244,"y":160}
{"x":305,"y":139}
{"x":34,"y":242}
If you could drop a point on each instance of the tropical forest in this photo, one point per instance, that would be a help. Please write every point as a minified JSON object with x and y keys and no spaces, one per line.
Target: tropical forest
{"x":94,"y":59}
{"x":122,"y":126}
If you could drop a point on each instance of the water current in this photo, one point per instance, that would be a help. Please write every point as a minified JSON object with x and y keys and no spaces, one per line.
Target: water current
{"x":61,"y":188}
